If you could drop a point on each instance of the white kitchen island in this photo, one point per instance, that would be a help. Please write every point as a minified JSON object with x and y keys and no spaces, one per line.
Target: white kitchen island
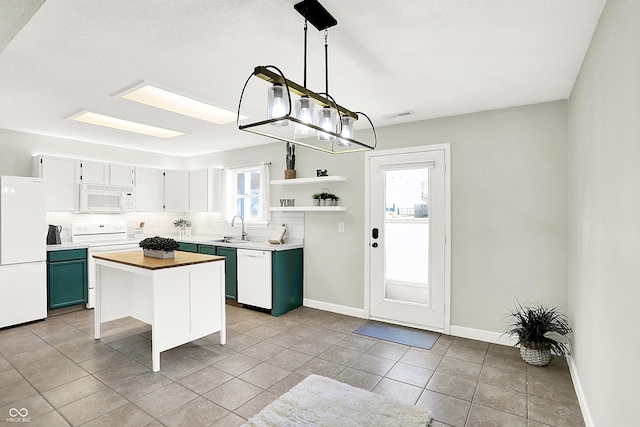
{"x":182,"y":298}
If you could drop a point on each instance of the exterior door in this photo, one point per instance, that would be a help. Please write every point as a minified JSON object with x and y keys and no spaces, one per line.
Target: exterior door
{"x":407,"y":249}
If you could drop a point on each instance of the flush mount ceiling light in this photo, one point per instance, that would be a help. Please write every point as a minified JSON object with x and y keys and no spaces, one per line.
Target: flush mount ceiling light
{"x":331,"y":127}
{"x":115,"y":123}
{"x":155,"y":96}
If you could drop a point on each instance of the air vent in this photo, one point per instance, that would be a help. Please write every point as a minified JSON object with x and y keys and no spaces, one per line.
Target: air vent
{"x":401,"y":114}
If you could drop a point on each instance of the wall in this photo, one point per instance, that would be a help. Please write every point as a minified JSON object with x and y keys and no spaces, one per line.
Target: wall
{"x":604,"y":230}
{"x":509,"y":224}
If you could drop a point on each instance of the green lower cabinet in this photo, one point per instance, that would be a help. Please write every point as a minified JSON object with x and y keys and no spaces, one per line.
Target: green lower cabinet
{"x":207,"y":249}
{"x":67,"y":278}
{"x":286,"y":280}
{"x":187,"y":247}
{"x":231,"y":271}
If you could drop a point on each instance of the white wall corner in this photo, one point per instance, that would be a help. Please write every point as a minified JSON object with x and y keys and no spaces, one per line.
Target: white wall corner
{"x":582,"y":399}
{"x":335,"y":308}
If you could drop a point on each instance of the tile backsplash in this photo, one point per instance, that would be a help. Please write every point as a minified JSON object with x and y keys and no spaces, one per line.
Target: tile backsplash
{"x":203,"y":224}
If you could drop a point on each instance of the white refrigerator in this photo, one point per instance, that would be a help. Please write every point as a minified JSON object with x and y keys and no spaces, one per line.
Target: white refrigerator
{"x":23,"y":251}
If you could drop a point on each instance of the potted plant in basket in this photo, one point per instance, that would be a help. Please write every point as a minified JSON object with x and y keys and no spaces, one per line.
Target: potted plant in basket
{"x":159,"y":247}
{"x":182,"y":225}
{"x":539,"y":330}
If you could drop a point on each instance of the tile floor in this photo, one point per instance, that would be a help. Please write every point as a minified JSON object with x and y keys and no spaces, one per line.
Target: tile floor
{"x":62,"y":376}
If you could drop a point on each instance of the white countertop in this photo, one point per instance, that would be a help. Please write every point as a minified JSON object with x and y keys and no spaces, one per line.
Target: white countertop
{"x":257,"y":245}
{"x":64,"y":246}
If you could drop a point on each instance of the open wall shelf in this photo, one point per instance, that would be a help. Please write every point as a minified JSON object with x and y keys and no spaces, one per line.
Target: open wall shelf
{"x":313,"y":180}
{"x":309,"y":209}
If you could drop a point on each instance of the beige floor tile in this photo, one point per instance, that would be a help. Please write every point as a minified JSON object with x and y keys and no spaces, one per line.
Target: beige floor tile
{"x":460,"y":368}
{"x":136,"y":350}
{"x":211,"y":354}
{"x":311,"y":346}
{"x":481,"y":416}
{"x":440,"y":347}
{"x":121,"y":371}
{"x":506,"y":361}
{"x":36,"y":406}
{"x":446,"y":409}
{"x":10,"y":376}
{"x":205,"y":380}
{"x":499,"y":348}
{"x":321,"y":367}
{"x":347,"y":326}
{"x":181,"y":368}
{"x":64,"y":336}
{"x":557,"y":370}
{"x":554,"y":412}
{"x":410,"y":374}
{"x":340,"y":355}
{"x":128,"y":415}
{"x":285,"y":339}
{"x":11,"y":394}
{"x":264,"y":375}
{"x":422,"y":358}
{"x":256,"y":404}
{"x":373,"y":364}
{"x":198,"y":412}
{"x":126,"y":340}
{"x":233,"y":394}
{"x":104,"y":361}
{"x":237,"y":364}
{"x":286,"y":384}
{"x":329,"y":336}
{"x":82,"y":351}
{"x":72,"y":391}
{"x":44,"y":365}
{"x":470,"y":343}
{"x":231,"y":420}
{"x":263,"y":350}
{"x":50,"y":419}
{"x":451,"y":385}
{"x":92,"y":406}
{"x":515,"y":381}
{"x":165,"y":400}
{"x":544,"y":387}
{"x":56,"y":377}
{"x":241,"y":342}
{"x":290,"y":360}
{"x":502,"y":399}
{"x":139,"y":385}
{"x":21,"y":348}
{"x":43,"y":351}
{"x":281,"y":324}
{"x":262,"y":332}
{"x":396,"y":390}
{"x":470,"y":354}
{"x":357,"y":378}
{"x":357,"y":343}
{"x":388,"y":350}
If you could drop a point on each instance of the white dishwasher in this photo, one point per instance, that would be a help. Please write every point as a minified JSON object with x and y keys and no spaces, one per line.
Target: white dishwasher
{"x":254,"y":278}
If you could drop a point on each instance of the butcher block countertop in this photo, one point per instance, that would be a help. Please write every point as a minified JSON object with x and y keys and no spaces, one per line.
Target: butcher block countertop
{"x":137,"y":259}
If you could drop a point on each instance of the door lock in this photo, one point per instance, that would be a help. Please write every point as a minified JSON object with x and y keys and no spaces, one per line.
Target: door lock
{"x":374,"y":244}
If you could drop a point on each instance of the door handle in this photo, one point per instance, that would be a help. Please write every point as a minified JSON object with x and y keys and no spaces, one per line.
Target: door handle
{"x":374,"y":244}
{"x":374,"y":233}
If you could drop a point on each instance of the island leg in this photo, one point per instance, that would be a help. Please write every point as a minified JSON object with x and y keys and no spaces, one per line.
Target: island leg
{"x":97,"y":311}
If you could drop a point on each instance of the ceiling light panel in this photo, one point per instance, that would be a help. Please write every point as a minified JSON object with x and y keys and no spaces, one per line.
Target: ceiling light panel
{"x":154,"y":96}
{"x":115,"y":123}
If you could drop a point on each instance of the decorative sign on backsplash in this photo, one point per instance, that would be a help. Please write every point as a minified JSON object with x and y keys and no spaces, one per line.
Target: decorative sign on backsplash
{"x":287,"y":202}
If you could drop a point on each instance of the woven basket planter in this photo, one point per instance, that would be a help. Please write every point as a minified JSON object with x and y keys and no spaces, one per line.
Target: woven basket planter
{"x":533,"y":356}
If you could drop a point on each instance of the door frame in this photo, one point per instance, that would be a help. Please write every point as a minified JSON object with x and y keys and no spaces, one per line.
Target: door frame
{"x":447,"y":224}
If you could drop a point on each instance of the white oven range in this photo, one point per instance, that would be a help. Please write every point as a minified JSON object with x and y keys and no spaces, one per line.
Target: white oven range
{"x":102,"y":238}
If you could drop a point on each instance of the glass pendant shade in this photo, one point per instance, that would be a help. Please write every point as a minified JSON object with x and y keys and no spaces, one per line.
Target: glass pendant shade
{"x":278,"y":104}
{"x":347,"y":130}
{"x":327,"y":119}
{"x":304,"y":112}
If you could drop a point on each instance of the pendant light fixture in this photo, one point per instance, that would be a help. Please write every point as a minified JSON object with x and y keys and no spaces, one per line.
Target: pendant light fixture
{"x":332,"y":129}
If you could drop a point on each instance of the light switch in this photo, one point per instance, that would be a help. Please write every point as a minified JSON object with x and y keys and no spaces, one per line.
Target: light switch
{"x":341,"y":227}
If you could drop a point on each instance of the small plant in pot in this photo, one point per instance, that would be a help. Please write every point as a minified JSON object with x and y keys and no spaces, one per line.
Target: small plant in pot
{"x":182,"y":224}
{"x":539,"y":331}
{"x":159,"y":247}
{"x":316,"y":199}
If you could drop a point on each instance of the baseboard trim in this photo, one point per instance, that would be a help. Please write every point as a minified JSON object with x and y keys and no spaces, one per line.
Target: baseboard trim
{"x":582,"y":399}
{"x":334,"y":308}
{"x":481,"y":335}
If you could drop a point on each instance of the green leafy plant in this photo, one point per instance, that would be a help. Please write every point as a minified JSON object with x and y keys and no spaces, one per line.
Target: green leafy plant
{"x":316,"y":196}
{"x":324,"y":195}
{"x":332,"y":196}
{"x":158,"y":243}
{"x":181,"y":223}
{"x":540,"y":328}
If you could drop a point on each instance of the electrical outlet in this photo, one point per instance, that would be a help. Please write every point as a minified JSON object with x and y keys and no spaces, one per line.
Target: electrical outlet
{"x":341,"y":227}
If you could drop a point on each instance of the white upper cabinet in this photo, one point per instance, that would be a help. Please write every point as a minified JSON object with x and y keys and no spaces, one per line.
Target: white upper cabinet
{"x":176,"y":191}
{"x":199,"y":190}
{"x":149,"y":189}
{"x":121,"y":175}
{"x":62,"y":176}
{"x":94,"y":172}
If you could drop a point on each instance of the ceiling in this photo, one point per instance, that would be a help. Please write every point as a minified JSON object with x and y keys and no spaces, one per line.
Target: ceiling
{"x":436,"y":58}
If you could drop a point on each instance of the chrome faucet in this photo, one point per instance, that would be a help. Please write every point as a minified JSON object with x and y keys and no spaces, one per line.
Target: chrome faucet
{"x":244,"y":235}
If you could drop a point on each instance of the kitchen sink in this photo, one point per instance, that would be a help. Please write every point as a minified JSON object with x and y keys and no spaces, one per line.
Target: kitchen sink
{"x":236,"y":241}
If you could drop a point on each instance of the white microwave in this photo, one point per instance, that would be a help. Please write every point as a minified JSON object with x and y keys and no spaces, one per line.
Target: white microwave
{"x":106,"y":198}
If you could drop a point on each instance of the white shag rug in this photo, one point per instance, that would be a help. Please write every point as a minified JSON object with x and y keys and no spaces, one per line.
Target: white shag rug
{"x":321,"y":401}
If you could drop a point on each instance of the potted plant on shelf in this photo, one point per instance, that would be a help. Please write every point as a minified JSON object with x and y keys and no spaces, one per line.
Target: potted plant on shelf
{"x":159,"y":247}
{"x":290,"y":172}
{"x":332,"y":200}
{"x":539,"y":330}
{"x":182,"y":224}
{"x":316,"y":199}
